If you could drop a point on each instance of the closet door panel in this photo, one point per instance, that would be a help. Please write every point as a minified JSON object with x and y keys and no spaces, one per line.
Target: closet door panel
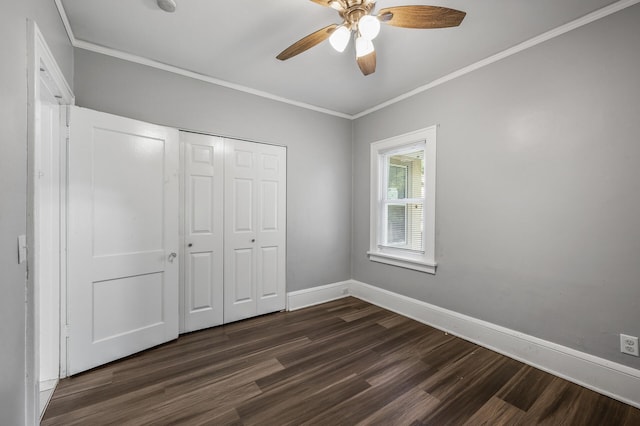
{"x":243,"y":205}
{"x":255,"y":238}
{"x":202,"y":273}
{"x":271,"y":175}
{"x":269,"y":271}
{"x":243,"y":276}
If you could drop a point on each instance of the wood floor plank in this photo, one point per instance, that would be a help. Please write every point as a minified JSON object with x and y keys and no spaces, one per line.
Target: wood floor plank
{"x":555,"y":405}
{"x":388,"y":369}
{"x":249,"y":374}
{"x":403,"y":410}
{"x":77,"y":411}
{"x":591,"y":407}
{"x":304,"y":383}
{"x":84,"y":382}
{"x":474,"y":387}
{"x":345,"y":362}
{"x":525,"y":387}
{"x":568,"y":403}
{"x":363,"y":313}
{"x":356,"y":339}
{"x":281,"y":411}
{"x":393,"y":321}
{"x":496,"y":412}
{"x":184,"y":408}
{"x":403,"y":338}
{"x":359,"y":407}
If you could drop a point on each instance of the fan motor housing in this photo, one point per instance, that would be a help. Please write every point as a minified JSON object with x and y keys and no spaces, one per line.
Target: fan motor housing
{"x":356,"y":10}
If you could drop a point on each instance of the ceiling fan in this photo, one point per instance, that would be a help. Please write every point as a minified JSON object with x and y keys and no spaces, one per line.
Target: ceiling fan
{"x":358,"y":18}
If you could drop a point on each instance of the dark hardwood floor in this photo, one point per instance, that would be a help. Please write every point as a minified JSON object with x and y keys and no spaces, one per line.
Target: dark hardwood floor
{"x":341,"y":363}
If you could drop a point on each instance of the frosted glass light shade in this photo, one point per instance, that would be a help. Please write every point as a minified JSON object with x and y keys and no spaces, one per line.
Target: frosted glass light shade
{"x":363,"y":47}
{"x":340,"y":38}
{"x":369,"y":27}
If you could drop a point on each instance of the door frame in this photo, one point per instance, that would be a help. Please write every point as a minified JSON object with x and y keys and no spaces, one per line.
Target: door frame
{"x":41,"y":65}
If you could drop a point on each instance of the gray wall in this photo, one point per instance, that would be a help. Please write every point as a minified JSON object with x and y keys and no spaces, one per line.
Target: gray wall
{"x":538,"y":190}
{"x":318,"y":150}
{"x":13,"y":184}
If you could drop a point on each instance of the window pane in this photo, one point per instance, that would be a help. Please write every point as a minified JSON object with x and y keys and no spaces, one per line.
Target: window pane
{"x":396,"y":225}
{"x":414,"y":224}
{"x":397,"y":187}
{"x":404,"y":226}
{"x":405,"y":173}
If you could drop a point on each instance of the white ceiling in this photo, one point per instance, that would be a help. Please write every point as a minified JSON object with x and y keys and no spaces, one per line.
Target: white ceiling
{"x":237,"y":42}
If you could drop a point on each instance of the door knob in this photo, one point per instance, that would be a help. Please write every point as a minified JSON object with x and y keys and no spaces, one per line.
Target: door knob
{"x":190,"y":245}
{"x":172,"y":256}
{"x":253,"y":240}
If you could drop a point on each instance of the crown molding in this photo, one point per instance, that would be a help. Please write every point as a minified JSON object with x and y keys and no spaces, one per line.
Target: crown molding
{"x":85,"y":45}
{"x":587,"y":19}
{"x":197,"y":76}
{"x":65,"y":22}
{"x":577,"y":23}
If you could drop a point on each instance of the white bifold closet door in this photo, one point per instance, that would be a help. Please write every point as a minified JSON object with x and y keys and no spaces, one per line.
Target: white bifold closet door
{"x":234,"y":230}
{"x":122,"y":237}
{"x":203,"y":189}
{"x":255,"y":229}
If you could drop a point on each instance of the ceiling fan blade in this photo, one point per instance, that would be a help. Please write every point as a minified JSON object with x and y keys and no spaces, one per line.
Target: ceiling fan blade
{"x":367,"y":63}
{"x":421,"y":16}
{"x":307,"y":42}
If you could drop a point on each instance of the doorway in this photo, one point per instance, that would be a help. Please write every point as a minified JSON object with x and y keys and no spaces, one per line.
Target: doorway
{"x":46,"y":220}
{"x":48,"y":182}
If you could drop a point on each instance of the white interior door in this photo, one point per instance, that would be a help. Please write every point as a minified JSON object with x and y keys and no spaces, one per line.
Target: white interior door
{"x":122,"y":236}
{"x":255,"y":229}
{"x":202,"y":301}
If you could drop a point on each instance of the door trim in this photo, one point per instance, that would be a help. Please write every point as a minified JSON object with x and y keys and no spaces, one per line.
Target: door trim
{"x":40,"y":64}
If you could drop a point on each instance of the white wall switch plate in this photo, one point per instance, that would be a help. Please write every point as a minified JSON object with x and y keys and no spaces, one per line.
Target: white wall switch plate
{"x":629,"y":345}
{"x":22,"y":248}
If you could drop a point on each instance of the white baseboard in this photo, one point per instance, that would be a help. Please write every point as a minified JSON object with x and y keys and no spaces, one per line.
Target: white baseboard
{"x":46,"y":392}
{"x":316,"y":295}
{"x":606,"y":377}
{"x":598,"y":374}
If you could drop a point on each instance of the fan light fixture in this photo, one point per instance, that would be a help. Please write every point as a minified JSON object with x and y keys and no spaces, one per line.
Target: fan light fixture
{"x":369,"y":27}
{"x":364,"y":46}
{"x":340,"y":38}
{"x":358,"y":17}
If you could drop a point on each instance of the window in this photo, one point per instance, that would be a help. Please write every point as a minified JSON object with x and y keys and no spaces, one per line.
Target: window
{"x":403,"y":200}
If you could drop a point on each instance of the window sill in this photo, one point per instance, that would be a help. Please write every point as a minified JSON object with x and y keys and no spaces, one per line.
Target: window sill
{"x":403,"y":262}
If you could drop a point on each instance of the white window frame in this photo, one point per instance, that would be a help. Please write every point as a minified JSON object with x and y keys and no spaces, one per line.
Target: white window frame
{"x":423,"y":261}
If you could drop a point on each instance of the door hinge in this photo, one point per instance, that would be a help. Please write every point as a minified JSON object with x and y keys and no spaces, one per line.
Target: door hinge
{"x":68,"y":115}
